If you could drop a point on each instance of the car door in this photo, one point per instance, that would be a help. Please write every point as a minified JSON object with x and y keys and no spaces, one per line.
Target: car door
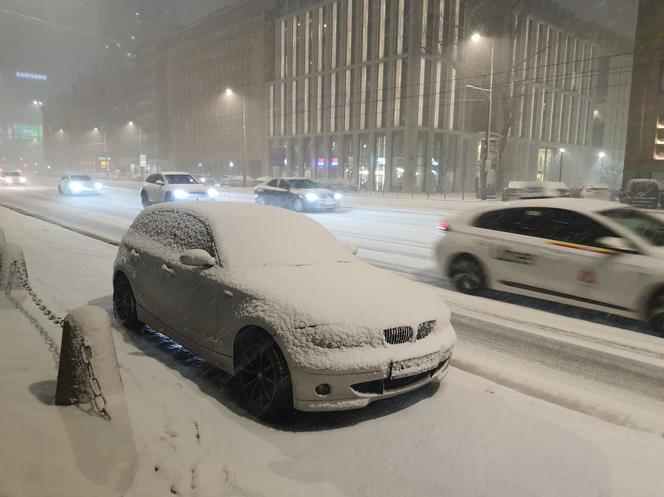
{"x":269,"y":193}
{"x":156,"y":188}
{"x":191,"y":294}
{"x":284,"y":195}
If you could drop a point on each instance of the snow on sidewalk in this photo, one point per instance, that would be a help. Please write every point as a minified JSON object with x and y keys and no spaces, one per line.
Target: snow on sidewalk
{"x":468,"y":437}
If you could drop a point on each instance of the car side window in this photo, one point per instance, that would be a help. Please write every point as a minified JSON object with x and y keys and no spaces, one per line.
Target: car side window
{"x":284,"y":184}
{"x":175,"y":230}
{"x":574,"y":227}
{"x":158,"y":177}
{"x":151,"y":178}
{"x":500,"y":220}
{"x":273,"y":182}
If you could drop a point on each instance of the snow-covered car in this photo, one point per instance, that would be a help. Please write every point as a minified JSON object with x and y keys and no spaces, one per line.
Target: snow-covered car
{"x":273,"y":298}
{"x":642,"y":193}
{"x":78,"y":184}
{"x":12,"y":178}
{"x":599,"y":191}
{"x":298,"y":194}
{"x":518,"y":190}
{"x":175,"y":187}
{"x":586,"y":253}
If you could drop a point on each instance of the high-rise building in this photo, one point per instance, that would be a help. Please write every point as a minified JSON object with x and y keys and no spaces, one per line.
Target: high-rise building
{"x":644,"y":155}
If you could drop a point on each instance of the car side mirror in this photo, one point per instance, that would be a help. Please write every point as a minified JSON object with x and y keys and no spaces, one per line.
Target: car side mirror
{"x":616,"y":244}
{"x":197,"y":258}
{"x":159,"y":182}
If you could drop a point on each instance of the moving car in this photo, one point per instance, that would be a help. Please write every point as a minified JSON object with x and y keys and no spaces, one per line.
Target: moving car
{"x":79,"y":184}
{"x":12,"y":178}
{"x":298,"y":194}
{"x":175,"y":186}
{"x":273,"y":298}
{"x":517,"y":190}
{"x":643,"y":193}
{"x":586,"y":253}
{"x":599,"y":191}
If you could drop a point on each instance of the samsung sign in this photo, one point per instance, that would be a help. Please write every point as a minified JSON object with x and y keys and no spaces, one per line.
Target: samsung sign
{"x":31,"y":75}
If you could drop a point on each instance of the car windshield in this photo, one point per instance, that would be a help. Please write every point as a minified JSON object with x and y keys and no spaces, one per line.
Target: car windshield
{"x":180,"y":179}
{"x":80,"y":177}
{"x":641,"y":224}
{"x":303,"y":184}
{"x":14,"y":174}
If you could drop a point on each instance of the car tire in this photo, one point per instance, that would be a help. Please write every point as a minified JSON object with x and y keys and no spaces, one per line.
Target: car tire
{"x":169,"y":197}
{"x":144,"y":199}
{"x":124,"y":304}
{"x":262,"y":376}
{"x":655,"y":314}
{"x":467,"y":275}
{"x":298,"y":205}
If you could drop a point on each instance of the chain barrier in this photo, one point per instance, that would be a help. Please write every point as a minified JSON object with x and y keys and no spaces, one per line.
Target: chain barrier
{"x":18,"y":274}
{"x":98,"y":399}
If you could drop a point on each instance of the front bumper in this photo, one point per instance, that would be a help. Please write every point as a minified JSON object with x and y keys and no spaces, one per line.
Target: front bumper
{"x":358,"y":390}
{"x":321,"y":204}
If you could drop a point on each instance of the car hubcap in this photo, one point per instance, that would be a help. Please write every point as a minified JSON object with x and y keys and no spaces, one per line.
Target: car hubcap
{"x":122,"y":302}
{"x":468,"y":277}
{"x":259,"y":377}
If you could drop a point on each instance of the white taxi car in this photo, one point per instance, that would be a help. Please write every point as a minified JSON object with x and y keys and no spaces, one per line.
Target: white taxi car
{"x":587,"y":253}
{"x":175,"y":187}
{"x":275,"y":299}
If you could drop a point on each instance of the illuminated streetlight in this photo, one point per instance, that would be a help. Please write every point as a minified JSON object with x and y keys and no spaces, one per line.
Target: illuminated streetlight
{"x":562,"y":150}
{"x":229,"y":92}
{"x":601,"y":155}
{"x":476,"y":37}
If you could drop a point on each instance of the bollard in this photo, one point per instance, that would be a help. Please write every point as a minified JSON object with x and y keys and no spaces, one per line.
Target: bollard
{"x":88,"y":371}
{"x":10,"y":253}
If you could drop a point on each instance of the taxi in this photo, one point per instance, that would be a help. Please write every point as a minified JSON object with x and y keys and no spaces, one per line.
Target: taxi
{"x":587,"y":253}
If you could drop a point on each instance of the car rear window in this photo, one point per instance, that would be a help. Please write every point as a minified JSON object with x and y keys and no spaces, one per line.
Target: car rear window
{"x":641,"y":224}
{"x":80,"y":177}
{"x":180,"y":179}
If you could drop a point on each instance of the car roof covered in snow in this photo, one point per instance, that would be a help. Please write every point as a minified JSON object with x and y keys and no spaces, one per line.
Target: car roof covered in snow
{"x":250,"y":234}
{"x":168,"y":173}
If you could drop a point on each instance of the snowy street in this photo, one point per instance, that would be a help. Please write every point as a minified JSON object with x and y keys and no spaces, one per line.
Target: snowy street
{"x":191,"y":438}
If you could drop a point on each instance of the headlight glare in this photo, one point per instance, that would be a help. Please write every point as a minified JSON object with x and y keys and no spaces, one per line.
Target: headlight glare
{"x":337,"y":196}
{"x":212,"y":193}
{"x":75,"y":186}
{"x":98,"y":186}
{"x":180,"y":194}
{"x":311,"y":197}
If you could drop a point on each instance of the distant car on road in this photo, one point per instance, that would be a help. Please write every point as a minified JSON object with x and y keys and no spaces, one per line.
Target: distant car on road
{"x":175,"y":187}
{"x":12,"y":178}
{"x":597,"y":191}
{"x":519,"y":190}
{"x":643,"y":193}
{"x":298,"y":194}
{"x":587,"y":253}
{"x":206,"y":179}
{"x":276,"y":300}
{"x":78,"y":184}
{"x":237,"y":180}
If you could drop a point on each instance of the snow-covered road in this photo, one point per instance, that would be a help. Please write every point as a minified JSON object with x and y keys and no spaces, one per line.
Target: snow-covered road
{"x":593,"y":363}
{"x":470,"y":437}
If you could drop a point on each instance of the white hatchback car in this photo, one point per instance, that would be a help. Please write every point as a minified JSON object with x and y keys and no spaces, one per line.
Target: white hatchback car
{"x":275,"y":299}
{"x":586,"y":253}
{"x":175,"y":186}
{"x":597,"y":191}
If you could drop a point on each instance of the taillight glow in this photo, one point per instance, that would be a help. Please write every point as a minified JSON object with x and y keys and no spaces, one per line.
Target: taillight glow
{"x":443,"y":226}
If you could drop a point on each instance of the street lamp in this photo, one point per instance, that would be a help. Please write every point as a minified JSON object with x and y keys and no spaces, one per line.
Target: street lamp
{"x":476,"y":38}
{"x":601,"y":156}
{"x":229,"y":93}
{"x":560,"y":171}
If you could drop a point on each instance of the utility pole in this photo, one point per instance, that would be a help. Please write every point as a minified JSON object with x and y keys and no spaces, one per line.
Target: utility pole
{"x":485,"y":161}
{"x":244,"y":140}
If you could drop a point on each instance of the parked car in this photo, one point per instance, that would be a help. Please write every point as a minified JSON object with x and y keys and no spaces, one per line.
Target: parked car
{"x":597,"y":191}
{"x":12,"y":178}
{"x":517,"y":190}
{"x":262,"y":179}
{"x":78,"y":184}
{"x":175,"y":187}
{"x":642,"y":193}
{"x":276,"y":300}
{"x":586,"y":253}
{"x":299,"y":194}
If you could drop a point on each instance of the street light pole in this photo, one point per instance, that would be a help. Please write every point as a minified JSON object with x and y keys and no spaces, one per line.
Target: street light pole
{"x":244,"y":140}
{"x":560,"y":171}
{"x":483,"y":166}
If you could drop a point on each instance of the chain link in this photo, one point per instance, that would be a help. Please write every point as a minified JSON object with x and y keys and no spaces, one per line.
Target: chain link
{"x":98,"y":399}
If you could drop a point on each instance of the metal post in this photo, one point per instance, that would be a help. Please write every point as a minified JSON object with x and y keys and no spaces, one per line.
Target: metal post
{"x":244,"y":141}
{"x":560,"y":171}
{"x":483,"y":165}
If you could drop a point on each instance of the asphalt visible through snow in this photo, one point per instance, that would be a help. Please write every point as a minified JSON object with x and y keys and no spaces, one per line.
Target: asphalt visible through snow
{"x":590,"y":350}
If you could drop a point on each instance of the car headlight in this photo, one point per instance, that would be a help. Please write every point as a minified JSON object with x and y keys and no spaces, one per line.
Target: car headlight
{"x":21,"y":179}
{"x":311,"y":197}
{"x":98,"y":186}
{"x":337,"y":196}
{"x":212,"y":193}
{"x":180,"y":194}
{"x":75,"y":186}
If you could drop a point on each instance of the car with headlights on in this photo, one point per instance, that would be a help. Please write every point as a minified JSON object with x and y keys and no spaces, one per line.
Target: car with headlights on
{"x":175,"y":187}
{"x":518,"y":190}
{"x":78,"y":184}
{"x":298,"y":194}
{"x":274,"y":299}
{"x":12,"y":178}
{"x":587,"y":253}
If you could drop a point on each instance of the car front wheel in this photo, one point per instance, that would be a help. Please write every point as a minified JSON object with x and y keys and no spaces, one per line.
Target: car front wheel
{"x":656,"y":314}
{"x":169,"y":197}
{"x":263,"y":377}
{"x":124,"y":304}
{"x":298,"y":205}
{"x":144,"y":199}
{"x":467,"y":275}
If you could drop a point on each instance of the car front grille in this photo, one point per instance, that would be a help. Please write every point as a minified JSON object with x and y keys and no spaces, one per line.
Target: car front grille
{"x":379,"y":387}
{"x":401,"y":334}
{"x":425,"y":329}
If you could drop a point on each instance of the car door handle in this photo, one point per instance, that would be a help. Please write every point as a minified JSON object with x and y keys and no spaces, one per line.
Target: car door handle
{"x":168,"y":270}
{"x":133,"y":253}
